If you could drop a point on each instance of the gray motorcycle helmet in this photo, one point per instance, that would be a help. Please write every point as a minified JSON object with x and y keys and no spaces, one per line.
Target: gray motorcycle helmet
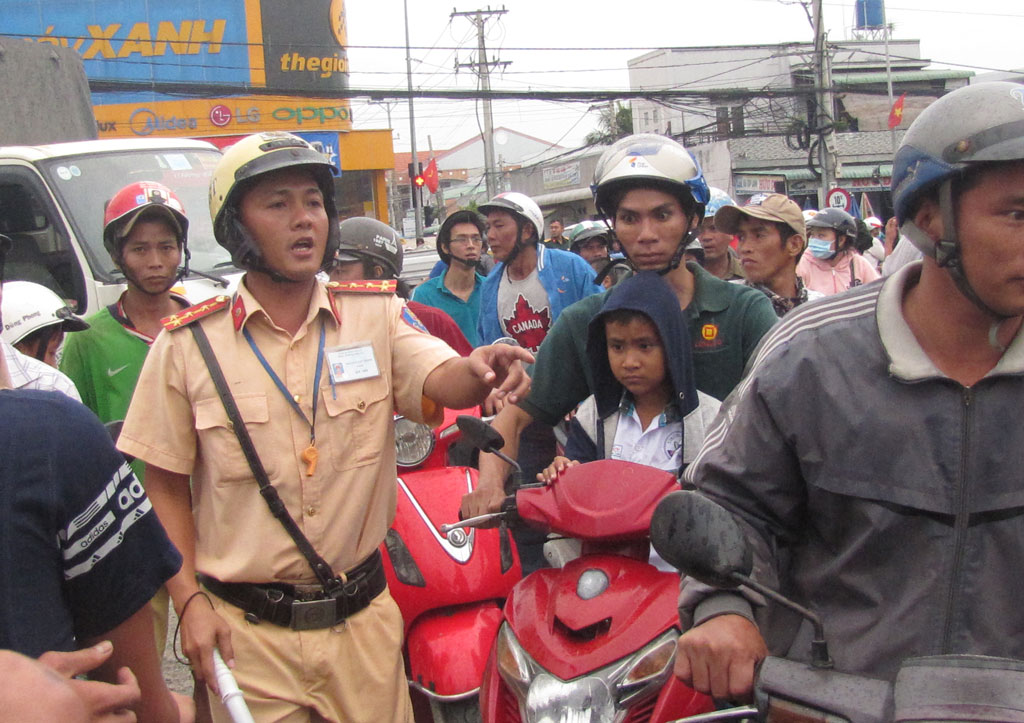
{"x":976,"y":124}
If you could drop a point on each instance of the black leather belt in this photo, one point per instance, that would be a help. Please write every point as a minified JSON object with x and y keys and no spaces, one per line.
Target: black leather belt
{"x":304,"y":607}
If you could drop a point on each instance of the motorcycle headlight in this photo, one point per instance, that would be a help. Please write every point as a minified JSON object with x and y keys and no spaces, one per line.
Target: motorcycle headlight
{"x":599,"y":697}
{"x":516,"y":667}
{"x":649,"y":669}
{"x":413,"y":442}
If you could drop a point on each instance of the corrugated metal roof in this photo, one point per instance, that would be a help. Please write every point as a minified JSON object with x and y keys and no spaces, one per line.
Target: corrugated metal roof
{"x":900,"y":76}
{"x":804,"y":174}
{"x":757,"y":149}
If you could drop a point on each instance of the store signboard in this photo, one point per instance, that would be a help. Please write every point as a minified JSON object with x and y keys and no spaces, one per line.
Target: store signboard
{"x":194,"y":43}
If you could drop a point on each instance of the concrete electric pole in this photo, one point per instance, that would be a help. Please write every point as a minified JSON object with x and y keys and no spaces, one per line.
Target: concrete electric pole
{"x":825,"y":105}
{"x":416,"y":210}
{"x":482,"y":67}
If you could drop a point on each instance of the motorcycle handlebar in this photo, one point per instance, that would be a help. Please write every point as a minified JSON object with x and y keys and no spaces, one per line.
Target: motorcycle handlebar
{"x":478,"y":521}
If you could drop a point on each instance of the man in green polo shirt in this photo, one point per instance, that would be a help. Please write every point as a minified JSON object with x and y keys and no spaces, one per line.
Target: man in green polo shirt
{"x":654,"y":193}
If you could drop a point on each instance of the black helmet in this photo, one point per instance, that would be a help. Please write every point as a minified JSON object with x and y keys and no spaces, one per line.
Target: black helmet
{"x":836,"y":219}
{"x":444,"y":234}
{"x":367,"y":239}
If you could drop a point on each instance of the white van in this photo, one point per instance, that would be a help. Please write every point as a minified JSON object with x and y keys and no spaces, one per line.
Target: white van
{"x":51,"y":205}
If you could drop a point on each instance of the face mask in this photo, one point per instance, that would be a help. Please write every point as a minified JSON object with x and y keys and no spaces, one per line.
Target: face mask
{"x":821,"y":249}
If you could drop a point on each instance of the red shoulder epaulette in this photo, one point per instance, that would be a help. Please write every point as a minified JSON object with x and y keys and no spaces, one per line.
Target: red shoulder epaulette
{"x":363,"y":287}
{"x":195,"y":313}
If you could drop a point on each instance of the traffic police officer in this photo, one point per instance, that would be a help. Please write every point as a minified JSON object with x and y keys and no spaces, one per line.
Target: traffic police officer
{"x":315,"y":372}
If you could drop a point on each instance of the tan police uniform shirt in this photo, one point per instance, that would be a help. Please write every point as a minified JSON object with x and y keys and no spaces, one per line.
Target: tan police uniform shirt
{"x":176,"y":421}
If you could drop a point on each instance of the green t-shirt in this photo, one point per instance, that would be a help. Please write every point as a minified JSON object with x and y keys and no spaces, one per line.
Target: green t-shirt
{"x":104,"y":361}
{"x":725,"y":322}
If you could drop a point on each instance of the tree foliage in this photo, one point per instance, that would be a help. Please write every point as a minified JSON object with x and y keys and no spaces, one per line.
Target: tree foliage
{"x":615,"y":122}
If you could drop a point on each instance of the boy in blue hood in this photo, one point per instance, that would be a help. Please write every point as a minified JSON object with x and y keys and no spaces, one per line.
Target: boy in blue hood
{"x":647,"y":408}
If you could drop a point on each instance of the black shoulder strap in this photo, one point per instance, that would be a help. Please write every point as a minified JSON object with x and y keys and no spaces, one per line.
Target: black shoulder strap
{"x":321,"y":569}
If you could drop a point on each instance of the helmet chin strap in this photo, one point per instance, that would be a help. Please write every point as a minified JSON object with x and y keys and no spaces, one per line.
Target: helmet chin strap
{"x":468,"y":263}
{"x":677,"y":257}
{"x":948,"y":256}
{"x":249,"y":257}
{"x":182,"y":271}
{"x":518,"y":246}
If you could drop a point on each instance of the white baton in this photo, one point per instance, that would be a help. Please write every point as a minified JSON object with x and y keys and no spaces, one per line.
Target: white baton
{"x":230,"y":695}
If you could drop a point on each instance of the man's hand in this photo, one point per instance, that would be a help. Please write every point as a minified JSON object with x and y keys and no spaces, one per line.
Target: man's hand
{"x":718,"y":657}
{"x":202,"y":629}
{"x":500,"y":366}
{"x":464,"y":382}
{"x":484,"y":499}
{"x":892,"y":235}
{"x":106,"y":702}
{"x":493,"y":404}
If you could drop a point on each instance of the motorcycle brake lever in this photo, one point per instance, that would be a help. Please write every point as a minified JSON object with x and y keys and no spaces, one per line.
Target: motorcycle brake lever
{"x":478,"y":521}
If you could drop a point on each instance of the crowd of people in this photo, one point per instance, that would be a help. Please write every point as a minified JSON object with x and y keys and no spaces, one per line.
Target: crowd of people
{"x":846,"y":388}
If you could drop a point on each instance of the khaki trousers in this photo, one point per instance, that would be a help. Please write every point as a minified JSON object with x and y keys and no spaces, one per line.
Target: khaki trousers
{"x":350,"y":673}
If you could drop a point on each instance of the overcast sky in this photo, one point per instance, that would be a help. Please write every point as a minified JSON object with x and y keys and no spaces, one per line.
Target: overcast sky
{"x":595,"y":43}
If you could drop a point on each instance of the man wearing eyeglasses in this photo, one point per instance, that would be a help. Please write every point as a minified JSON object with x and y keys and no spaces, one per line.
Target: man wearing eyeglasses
{"x":457,"y":290}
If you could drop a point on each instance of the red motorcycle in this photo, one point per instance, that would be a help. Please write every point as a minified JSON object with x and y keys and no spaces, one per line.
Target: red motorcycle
{"x":449,"y":586}
{"x":595,"y":639}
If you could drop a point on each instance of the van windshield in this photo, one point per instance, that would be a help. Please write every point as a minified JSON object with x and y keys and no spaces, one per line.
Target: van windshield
{"x":85,"y":183}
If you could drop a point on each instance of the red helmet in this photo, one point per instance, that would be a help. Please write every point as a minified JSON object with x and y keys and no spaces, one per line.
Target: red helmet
{"x":124,"y":209}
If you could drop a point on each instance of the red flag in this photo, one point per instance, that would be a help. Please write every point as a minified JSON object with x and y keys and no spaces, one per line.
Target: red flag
{"x":896,"y":114}
{"x":430,"y":176}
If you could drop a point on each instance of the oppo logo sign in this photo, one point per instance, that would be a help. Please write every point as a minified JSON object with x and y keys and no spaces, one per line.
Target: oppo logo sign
{"x":309,"y":114}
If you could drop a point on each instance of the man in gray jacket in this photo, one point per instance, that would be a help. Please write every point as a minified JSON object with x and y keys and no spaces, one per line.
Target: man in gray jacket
{"x":874,"y":451}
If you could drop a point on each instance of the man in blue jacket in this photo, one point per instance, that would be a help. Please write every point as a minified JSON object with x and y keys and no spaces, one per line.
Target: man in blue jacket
{"x":527,"y":290}
{"x":521,"y":298}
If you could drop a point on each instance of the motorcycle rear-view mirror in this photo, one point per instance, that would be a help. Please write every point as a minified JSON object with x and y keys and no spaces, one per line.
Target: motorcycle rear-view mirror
{"x":479,"y":433}
{"x":702,"y":539}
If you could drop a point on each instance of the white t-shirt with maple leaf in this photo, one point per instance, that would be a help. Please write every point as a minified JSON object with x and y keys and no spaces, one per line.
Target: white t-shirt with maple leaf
{"x":524,"y":310}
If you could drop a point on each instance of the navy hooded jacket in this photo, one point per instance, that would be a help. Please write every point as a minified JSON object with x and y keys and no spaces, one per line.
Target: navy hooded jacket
{"x":648,"y":293}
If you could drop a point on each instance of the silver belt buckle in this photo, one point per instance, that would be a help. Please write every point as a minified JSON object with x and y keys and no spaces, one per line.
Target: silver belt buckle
{"x":313,"y":614}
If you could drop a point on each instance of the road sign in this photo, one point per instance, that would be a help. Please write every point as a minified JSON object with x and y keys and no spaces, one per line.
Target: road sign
{"x":839,"y":198}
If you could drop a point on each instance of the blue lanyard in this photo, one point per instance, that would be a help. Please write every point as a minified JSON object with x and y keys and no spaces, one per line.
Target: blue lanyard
{"x":280,"y":384}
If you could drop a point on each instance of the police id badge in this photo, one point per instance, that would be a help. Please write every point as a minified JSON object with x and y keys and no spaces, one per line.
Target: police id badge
{"x":352,"y":363}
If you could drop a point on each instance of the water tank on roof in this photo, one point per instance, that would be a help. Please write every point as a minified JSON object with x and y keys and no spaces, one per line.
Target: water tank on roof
{"x":869,"y":14}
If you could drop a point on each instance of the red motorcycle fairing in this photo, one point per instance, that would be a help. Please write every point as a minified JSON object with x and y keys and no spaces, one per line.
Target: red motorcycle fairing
{"x":618,"y":511}
{"x":427,"y":570}
{"x":446,"y":657}
{"x":569,"y":636}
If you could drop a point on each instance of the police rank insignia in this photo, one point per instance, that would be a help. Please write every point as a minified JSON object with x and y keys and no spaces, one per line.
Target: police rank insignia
{"x":195,"y":313}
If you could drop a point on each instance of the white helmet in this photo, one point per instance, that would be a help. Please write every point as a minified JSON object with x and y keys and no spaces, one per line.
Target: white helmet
{"x":649,"y":159}
{"x":522,"y":208}
{"x":29,"y":307}
{"x":873,"y":222}
{"x":517,"y":204}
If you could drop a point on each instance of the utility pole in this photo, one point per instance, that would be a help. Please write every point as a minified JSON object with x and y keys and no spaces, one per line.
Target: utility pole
{"x":393,"y":205}
{"x":888,"y":85}
{"x":825,"y":104}
{"x":482,"y":68}
{"x":416,"y":210}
